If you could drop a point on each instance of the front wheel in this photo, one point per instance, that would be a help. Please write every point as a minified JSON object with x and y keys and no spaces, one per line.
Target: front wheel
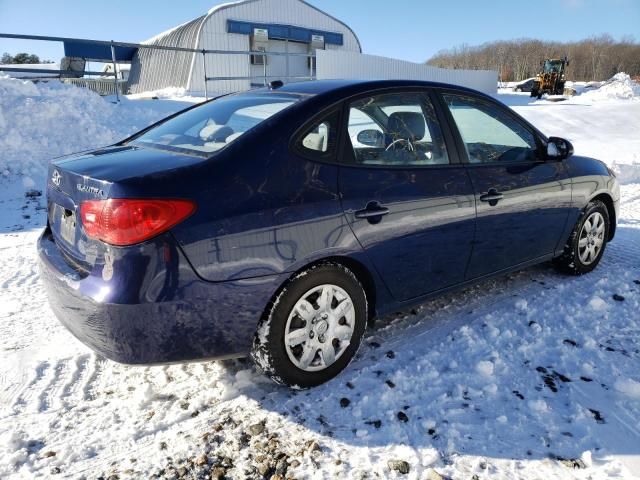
{"x":312,"y":330}
{"x":587,"y":242}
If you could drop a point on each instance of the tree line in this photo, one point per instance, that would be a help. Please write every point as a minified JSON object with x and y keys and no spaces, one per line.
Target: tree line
{"x":595,"y":58}
{"x":21,"y":58}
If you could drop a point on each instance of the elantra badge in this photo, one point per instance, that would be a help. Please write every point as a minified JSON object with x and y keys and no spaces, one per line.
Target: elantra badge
{"x":98,"y":192}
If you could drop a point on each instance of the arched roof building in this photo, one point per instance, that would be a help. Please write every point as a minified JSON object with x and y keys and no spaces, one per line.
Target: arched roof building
{"x":292,"y":26}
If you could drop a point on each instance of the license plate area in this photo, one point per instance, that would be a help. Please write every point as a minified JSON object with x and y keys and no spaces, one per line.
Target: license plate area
{"x":66,"y":220}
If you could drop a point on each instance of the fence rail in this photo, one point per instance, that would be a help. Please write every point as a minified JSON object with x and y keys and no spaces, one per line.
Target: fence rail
{"x":74,"y":73}
{"x":101,"y":86}
{"x":146,"y":45}
{"x":117,"y":85}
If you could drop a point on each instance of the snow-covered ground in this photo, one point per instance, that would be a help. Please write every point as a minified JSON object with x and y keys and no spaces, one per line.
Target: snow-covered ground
{"x":531,"y":375}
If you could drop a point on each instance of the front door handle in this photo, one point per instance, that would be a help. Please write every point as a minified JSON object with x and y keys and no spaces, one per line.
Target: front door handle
{"x":492,"y":196}
{"x":373,"y":211}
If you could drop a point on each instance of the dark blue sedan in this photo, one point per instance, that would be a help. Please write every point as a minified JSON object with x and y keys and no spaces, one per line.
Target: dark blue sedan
{"x":278,"y":223}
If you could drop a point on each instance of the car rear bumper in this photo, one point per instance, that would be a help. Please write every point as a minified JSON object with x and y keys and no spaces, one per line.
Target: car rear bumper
{"x":152,"y":308}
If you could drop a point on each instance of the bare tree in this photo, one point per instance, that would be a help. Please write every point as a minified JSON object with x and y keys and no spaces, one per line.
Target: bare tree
{"x":594,"y":58}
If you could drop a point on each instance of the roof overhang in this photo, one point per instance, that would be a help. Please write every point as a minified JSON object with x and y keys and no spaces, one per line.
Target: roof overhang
{"x":97,"y":52}
{"x":279,"y":31}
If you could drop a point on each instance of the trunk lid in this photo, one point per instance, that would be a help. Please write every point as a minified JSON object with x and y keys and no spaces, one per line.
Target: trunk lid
{"x":65,"y":191}
{"x":92,"y":176}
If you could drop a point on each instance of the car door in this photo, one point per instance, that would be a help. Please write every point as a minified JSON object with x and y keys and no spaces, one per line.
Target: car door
{"x":522,"y":198}
{"x":406,"y":197}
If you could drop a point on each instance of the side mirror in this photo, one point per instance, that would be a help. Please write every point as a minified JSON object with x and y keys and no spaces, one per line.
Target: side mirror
{"x":559,"y":148}
{"x":371,"y":138}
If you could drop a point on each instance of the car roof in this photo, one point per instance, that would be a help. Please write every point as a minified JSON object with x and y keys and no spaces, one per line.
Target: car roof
{"x":353,"y":86}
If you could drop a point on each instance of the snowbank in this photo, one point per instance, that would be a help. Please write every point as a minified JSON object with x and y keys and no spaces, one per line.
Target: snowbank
{"x":166,"y":93}
{"x":45,"y":120}
{"x":618,"y":87}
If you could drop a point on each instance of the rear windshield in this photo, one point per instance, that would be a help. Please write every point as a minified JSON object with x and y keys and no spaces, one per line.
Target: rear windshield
{"x":210,"y":127}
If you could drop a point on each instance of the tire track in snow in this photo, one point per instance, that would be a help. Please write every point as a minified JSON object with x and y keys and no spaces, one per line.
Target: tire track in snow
{"x":77,"y":379}
{"x":24,"y":399}
{"x":10,"y":382}
{"x":53,"y":386}
{"x":94,"y":371}
{"x":50,"y":392}
{"x":14,"y":268}
{"x":28,"y":278}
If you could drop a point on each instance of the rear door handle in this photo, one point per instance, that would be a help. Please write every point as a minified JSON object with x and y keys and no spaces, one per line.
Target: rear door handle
{"x":492,"y":196}
{"x":373,"y":210}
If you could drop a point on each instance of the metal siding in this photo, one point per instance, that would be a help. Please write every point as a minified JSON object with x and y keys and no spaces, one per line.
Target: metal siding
{"x":332,"y":64}
{"x":214,"y":36}
{"x":156,"y":69}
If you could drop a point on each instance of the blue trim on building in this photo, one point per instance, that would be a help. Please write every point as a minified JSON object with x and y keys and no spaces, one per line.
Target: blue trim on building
{"x":97,"y":52}
{"x":284,"y":32}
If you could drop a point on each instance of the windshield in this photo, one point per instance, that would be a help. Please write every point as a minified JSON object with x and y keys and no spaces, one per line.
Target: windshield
{"x":552,"y":66}
{"x":210,"y":127}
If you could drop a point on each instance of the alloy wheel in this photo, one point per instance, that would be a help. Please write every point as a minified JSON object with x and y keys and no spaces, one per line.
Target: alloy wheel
{"x":319,"y":328}
{"x":591,"y":238}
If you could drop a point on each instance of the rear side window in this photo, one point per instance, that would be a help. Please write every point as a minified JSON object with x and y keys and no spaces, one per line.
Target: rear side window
{"x":489,"y":134}
{"x":320,"y":139}
{"x":396,"y":130}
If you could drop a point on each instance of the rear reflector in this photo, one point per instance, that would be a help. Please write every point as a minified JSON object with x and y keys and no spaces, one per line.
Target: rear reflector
{"x":128,"y":221}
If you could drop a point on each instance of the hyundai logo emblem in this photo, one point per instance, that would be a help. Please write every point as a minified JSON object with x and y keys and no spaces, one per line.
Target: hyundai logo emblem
{"x":56,"y":178}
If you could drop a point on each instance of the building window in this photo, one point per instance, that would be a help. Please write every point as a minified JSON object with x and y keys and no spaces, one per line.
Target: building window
{"x":259,"y":59}
{"x":259,"y":43}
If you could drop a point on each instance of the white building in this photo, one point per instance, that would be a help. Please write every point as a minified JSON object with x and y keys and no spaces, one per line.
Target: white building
{"x":292,"y":26}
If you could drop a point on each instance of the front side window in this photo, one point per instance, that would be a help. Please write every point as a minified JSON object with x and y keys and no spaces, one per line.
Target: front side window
{"x":212,"y":126}
{"x":396,"y":129}
{"x":489,"y":134}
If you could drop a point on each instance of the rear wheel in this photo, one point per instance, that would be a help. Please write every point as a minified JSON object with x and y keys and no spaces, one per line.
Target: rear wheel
{"x":313,"y":329}
{"x":587,"y":242}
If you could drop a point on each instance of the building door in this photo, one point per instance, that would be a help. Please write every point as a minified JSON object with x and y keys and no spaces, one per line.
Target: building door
{"x":276,"y":68}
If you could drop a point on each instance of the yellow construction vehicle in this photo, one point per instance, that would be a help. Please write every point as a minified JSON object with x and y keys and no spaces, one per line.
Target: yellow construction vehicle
{"x":551,"y":79}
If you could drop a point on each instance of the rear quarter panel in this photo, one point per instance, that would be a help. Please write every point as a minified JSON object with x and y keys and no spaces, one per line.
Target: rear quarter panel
{"x":265,"y":210}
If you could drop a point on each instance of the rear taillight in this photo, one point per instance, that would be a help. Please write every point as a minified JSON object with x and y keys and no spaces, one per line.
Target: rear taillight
{"x":128,"y":221}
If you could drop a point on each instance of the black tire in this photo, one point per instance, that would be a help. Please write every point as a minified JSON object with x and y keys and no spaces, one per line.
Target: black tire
{"x":269,"y":351}
{"x":570,"y":262}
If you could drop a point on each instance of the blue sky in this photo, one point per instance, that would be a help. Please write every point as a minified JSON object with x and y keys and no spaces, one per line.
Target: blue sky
{"x":408,"y":29}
